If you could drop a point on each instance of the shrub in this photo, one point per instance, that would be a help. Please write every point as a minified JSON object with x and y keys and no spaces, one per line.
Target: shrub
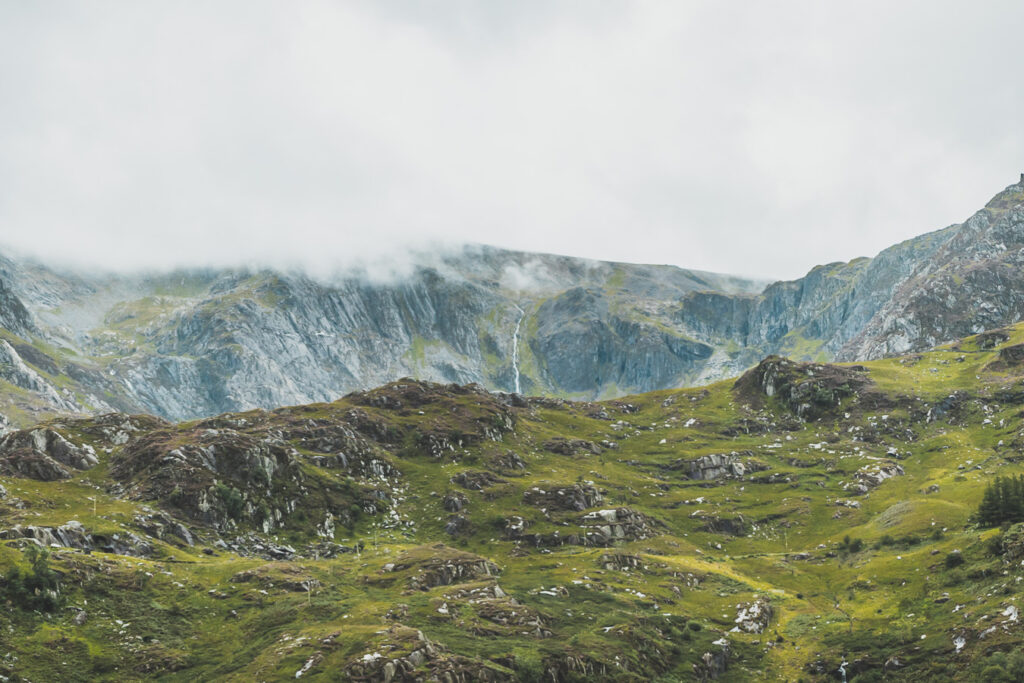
{"x":850,"y":546}
{"x":954,"y":559}
{"x":1001,"y":666}
{"x":35,"y":589}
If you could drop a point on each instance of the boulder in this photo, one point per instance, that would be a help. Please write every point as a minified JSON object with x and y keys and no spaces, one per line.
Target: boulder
{"x":871,"y":476}
{"x":753,"y":617}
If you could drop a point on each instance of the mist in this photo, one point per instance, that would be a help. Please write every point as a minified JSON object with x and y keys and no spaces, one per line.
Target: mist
{"x":325,"y":135}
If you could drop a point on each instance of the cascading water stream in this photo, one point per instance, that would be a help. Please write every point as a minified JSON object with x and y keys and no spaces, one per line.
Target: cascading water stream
{"x":515,"y":348}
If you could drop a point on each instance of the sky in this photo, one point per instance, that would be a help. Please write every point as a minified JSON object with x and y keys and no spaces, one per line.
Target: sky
{"x":756,"y":138}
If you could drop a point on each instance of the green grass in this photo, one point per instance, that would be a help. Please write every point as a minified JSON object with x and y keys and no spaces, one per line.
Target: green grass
{"x":183,"y":618}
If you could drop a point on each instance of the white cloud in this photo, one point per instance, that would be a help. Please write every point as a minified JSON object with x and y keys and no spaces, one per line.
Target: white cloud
{"x":760,"y":139}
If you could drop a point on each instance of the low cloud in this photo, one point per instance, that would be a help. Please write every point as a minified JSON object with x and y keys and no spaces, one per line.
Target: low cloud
{"x":322,"y":134}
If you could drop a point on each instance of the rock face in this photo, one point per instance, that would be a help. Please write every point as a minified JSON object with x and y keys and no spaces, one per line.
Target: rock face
{"x":971,"y":283}
{"x":14,"y":370}
{"x":194,"y":343}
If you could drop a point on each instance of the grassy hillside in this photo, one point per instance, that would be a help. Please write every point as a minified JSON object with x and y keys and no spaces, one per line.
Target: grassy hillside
{"x":767,"y":528}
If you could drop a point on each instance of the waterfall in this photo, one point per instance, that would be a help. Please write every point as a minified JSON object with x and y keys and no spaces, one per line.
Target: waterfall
{"x":515,"y":348}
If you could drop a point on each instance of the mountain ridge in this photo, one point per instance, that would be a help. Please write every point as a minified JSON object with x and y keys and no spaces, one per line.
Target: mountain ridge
{"x":191,"y":343}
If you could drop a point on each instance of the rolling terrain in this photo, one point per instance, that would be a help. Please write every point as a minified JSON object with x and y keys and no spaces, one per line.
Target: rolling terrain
{"x":804,"y":521}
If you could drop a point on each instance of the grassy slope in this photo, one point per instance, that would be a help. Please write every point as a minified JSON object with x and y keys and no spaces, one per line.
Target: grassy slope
{"x":178,"y":615}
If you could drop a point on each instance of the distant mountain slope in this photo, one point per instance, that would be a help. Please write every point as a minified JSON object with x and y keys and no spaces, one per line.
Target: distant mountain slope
{"x":193,"y":343}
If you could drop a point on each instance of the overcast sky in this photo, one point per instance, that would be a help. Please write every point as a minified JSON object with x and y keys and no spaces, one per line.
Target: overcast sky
{"x":758,"y":138}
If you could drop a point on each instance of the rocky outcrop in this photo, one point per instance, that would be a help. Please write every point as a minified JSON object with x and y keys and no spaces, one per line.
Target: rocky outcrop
{"x":212,"y":478}
{"x":454,"y":501}
{"x":605,"y":527}
{"x":511,"y":463}
{"x":1010,"y":357}
{"x":575,"y":667}
{"x":620,"y":562}
{"x":477,"y":480}
{"x":576,"y":497}
{"x":43,"y":454}
{"x":164,"y":527}
{"x":809,"y":390}
{"x":753,"y":617}
{"x":871,"y":476}
{"x":564,"y":446}
{"x":716,"y":466}
{"x":226,"y":479}
{"x":509,"y":613}
{"x":713,"y":663}
{"x":439,"y":565}
{"x":404,"y":654}
{"x":729,"y":526}
{"x":113,"y":429}
{"x":280,"y":575}
{"x":74,"y":535}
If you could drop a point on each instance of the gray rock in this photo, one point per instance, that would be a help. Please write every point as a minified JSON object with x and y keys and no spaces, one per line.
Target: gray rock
{"x":43,"y":454}
{"x":235,"y":339}
{"x":74,"y":535}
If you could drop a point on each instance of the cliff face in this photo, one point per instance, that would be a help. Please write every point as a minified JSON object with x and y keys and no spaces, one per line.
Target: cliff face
{"x":972,"y":283}
{"x":193,"y":343}
{"x":947,"y":284}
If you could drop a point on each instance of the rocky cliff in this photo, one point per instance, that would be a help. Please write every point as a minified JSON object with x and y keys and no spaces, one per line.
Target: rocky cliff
{"x":193,"y":343}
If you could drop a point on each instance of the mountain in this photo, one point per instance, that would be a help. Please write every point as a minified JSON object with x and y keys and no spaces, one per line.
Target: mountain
{"x":193,"y":343}
{"x":805,"y":521}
